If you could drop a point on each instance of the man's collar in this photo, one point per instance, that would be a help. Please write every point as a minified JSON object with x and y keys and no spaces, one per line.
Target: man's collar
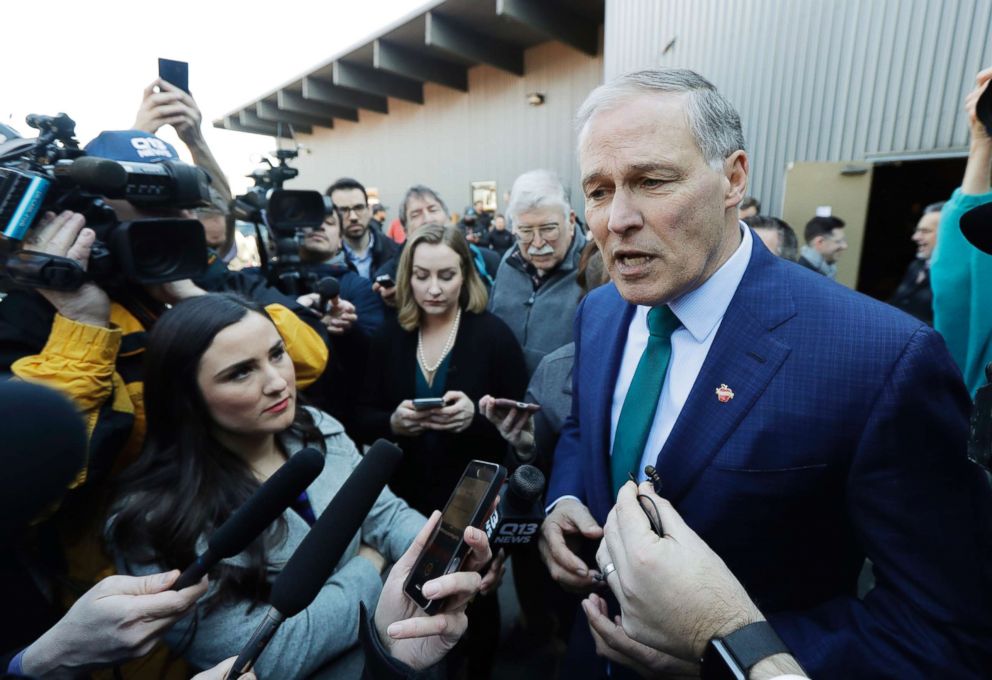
{"x":700,"y":310}
{"x":813,"y":256}
{"x":370,"y":232}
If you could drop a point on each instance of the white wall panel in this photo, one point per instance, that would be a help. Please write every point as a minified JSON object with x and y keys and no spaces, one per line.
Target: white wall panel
{"x":454,"y":138}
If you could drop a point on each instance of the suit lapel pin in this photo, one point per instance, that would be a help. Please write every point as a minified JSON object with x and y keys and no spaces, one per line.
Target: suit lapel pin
{"x":724,"y":394}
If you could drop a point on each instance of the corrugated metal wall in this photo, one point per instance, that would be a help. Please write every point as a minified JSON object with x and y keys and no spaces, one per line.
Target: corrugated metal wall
{"x":454,"y":138}
{"x":817,"y":80}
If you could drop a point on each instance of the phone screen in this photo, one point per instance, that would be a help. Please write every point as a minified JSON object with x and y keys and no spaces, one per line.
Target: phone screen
{"x":463,"y":505}
{"x":468,"y":505}
{"x":175,"y":72}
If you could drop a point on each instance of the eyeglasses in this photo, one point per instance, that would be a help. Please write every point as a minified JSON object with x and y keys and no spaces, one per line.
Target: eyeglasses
{"x":357,"y":209}
{"x":549,"y":232}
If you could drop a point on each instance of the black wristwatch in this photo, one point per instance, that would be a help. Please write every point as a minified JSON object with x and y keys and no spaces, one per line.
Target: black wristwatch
{"x":732,"y":657}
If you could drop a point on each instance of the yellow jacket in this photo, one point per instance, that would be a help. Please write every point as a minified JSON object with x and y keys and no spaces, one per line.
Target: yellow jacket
{"x":81,"y":361}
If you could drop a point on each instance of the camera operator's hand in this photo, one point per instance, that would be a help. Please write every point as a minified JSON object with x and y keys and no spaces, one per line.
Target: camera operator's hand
{"x":455,"y":416}
{"x":66,"y":235}
{"x":220,"y":671}
{"x":569,"y":522}
{"x":340,"y":317}
{"x":407,"y":633}
{"x":119,"y":618}
{"x":388,"y":295}
{"x":165,"y":104}
{"x":515,"y":425}
{"x":408,"y":421}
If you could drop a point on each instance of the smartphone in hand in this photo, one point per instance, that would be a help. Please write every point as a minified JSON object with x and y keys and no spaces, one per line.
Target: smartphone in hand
{"x":428,"y":404}
{"x":385,"y":280}
{"x":174,"y":72}
{"x":470,"y":504}
{"x":522,"y":405}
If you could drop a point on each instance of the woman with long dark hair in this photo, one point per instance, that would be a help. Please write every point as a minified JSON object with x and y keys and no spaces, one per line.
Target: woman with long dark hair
{"x":223,"y":416}
{"x":443,"y":344}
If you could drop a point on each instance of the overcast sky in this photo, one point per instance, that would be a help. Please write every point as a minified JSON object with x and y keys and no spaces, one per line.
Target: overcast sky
{"x":92,"y":60}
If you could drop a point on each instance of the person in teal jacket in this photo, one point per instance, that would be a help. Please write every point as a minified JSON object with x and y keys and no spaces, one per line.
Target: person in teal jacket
{"x":960,"y":274}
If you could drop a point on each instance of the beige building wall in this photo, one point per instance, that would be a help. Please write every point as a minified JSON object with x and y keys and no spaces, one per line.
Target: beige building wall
{"x":455,"y":138}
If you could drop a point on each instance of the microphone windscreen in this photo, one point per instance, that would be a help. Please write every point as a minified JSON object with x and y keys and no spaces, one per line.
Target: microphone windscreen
{"x":329,"y":287}
{"x":98,"y":175}
{"x":526,"y":485}
{"x":43,"y":449}
{"x":267,"y":503}
{"x":321,"y":550}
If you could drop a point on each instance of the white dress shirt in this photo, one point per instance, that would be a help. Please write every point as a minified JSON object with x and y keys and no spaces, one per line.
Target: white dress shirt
{"x":700,"y":311}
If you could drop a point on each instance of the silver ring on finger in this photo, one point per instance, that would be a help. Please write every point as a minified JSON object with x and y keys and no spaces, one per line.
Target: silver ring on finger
{"x":608,"y":569}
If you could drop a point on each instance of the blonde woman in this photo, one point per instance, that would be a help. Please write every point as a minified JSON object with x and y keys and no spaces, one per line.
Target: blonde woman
{"x":442,"y":344}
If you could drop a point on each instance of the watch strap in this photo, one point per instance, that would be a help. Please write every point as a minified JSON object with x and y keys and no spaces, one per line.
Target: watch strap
{"x":754,"y":642}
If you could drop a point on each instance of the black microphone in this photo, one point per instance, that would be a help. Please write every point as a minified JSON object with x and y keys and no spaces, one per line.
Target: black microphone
{"x":520,"y":513}
{"x":314,"y":560}
{"x":329,"y":288}
{"x":98,"y":175}
{"x":265,"y":505}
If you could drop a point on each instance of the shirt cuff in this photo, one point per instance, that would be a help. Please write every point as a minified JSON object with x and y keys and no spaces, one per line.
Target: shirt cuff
{"x":558,"y":500}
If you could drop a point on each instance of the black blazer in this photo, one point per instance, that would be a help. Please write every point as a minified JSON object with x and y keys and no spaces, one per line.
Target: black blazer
{"x":486,"y":359}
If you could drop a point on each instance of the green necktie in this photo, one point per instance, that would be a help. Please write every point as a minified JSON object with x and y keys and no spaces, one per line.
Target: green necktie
{"x":637,"y":414}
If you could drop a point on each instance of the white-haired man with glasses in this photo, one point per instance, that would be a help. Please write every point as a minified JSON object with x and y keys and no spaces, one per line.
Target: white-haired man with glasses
{"x":535,"y":291}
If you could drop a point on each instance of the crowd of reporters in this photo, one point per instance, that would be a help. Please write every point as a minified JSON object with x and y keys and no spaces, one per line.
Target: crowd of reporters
{"x":193,"y":392}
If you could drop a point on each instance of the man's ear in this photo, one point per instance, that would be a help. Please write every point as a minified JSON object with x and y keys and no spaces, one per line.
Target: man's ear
{"x":735,"y":169}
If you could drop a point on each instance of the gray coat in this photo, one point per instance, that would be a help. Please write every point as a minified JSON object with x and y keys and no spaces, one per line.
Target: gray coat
{"x":551,"y":387}
{"x":541,"y":320}
{"x":322,"y":640}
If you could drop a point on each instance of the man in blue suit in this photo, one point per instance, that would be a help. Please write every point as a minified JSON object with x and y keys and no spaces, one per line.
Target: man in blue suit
{"x":798,"y":427}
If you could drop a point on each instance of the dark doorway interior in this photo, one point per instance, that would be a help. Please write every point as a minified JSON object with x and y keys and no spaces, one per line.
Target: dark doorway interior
{"x":899,"y":192}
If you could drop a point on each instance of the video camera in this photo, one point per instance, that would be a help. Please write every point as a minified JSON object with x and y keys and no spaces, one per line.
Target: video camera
{"x":51,"y":172}
{"x":286,"y":212}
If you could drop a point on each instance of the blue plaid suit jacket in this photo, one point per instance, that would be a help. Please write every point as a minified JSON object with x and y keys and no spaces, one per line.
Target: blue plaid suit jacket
{"x":845,"y":439}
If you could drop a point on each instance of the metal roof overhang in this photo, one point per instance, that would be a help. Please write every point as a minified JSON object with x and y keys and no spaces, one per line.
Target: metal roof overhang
{"x":438,"y":43}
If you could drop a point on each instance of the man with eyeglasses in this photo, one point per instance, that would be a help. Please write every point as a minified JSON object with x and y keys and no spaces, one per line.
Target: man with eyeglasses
{"x":824,"y":243}
{"x":363,"y":247}
{"x":536,"y":293}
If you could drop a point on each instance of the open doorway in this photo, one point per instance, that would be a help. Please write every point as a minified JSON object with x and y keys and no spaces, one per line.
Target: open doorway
{"x":899,"y":192}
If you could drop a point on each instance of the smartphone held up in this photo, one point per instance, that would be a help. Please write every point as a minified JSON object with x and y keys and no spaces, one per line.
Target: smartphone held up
{"x":470,"y":504}
{"x":174,"y":72}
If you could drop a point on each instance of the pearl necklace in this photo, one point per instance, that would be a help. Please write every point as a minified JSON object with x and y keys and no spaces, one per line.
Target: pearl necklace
{"x":444,"y":351}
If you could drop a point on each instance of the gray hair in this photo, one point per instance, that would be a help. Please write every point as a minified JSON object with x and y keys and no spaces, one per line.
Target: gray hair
{"x":713,"y":121}
{"x":422,"y":192}
{"x":537,"y":189}
{"x":934,"y":207}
